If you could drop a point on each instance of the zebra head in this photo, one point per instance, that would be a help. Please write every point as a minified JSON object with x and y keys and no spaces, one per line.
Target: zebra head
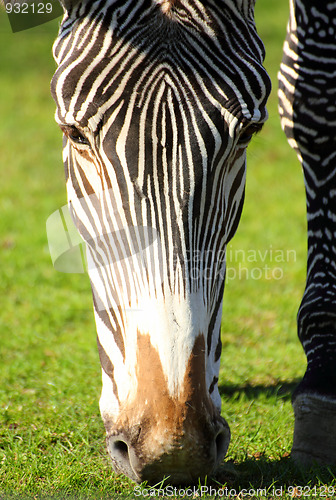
{"x":157,"y":100}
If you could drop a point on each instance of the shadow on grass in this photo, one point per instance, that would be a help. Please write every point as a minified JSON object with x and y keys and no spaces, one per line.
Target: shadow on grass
{"x":253,"y":478}
{"x":284,"y":390}
{"x":264,"y":473}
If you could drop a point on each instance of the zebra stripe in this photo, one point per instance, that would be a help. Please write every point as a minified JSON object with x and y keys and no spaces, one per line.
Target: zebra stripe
{"x":308,"y":114}
{"x":164,"y":98}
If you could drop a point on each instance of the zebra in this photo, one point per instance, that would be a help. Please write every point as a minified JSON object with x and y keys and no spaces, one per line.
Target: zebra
{"x":307,"y":110}
{"x":158,"y":101}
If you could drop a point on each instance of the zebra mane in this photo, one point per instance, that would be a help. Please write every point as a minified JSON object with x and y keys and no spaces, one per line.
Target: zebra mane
{"x":68,"y":4}
{"x":166,"y":5}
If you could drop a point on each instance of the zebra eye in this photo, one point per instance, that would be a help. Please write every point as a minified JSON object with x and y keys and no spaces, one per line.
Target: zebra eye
{"x":75,"y":135}
{"x":247,"y":133}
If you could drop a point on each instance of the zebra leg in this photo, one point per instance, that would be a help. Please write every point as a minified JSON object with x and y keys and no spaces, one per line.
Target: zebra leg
{"x":314,"y":400}
{"x":308,"y":114}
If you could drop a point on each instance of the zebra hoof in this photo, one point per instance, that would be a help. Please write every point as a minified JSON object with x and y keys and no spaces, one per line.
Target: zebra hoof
{"x":314,"y":430}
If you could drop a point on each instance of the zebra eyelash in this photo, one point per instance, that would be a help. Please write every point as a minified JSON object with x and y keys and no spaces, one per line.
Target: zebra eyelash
{"x":75,"y":135}
{"x":248,"y":132}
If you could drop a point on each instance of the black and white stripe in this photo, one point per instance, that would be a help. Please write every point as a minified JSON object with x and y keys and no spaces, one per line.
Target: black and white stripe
{"x":307,"y":103}
{"x":158,"y":101}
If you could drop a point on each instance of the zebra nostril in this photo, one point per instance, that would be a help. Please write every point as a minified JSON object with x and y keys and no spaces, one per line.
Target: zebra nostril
{"x":121,"y":449}
{"x":222,"y":443}
{"x":121,"y":455}
{"x":128,"y":457}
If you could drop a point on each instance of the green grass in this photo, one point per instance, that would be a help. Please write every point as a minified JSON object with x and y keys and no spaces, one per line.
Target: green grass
{"x":51,"y":433}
